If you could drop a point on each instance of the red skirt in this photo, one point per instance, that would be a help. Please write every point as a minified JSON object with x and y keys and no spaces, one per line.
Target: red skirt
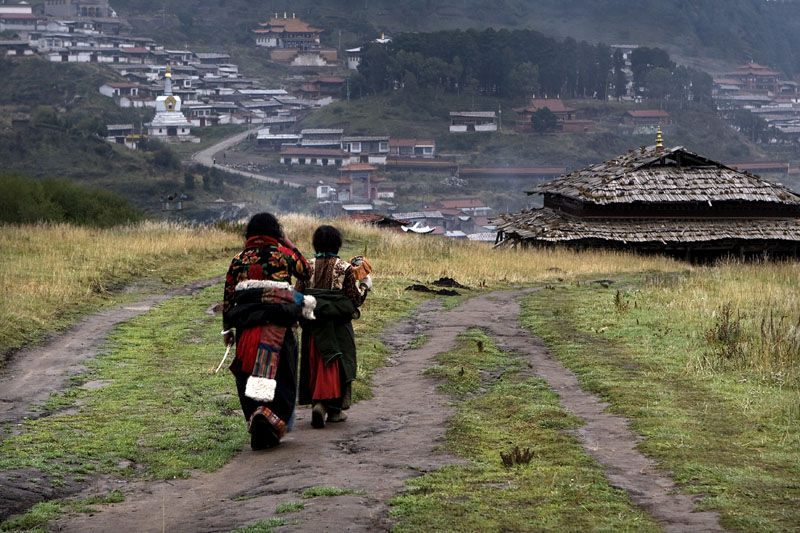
{"x":323,"y":380}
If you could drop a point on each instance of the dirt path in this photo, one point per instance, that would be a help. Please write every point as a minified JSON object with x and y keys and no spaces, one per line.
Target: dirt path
{"x":31,"y":375}
{"x":207,"y":157}
{"x":386,"y":440}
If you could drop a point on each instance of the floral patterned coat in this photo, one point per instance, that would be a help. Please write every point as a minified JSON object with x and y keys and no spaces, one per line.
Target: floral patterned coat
{"x":263,"y":258}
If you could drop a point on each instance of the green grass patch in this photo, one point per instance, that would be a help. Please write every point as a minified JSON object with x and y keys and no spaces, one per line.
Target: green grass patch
{"x":418,"y":341}
{"x":43,"y":512}
{"x":326,"y":491}
{"x":290,"y":507}
{"x":162,"y":413}
{"x":502,"y":409}
{"x":263,"y":526}
{"x":726,"y":433}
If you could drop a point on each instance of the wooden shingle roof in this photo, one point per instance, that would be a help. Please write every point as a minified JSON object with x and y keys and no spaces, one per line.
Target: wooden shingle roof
{"x":670,"y":175}
{"x":547,"y":225}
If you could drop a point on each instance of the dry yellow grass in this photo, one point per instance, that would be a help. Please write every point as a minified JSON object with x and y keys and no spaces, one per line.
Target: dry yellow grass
{"x":761,"y":330}
{"x":51,"y":273}
{"x":48,"y":272}
{"x":426,"y":258}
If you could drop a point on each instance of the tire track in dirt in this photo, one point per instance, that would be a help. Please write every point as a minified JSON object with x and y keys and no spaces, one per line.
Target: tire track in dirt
{"x":386,"y":440}
{"x":32,"y":374}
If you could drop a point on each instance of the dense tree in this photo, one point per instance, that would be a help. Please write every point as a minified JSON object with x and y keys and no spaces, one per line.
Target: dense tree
{"x":751,"y":125}
{"x":523,"y":80}
{"x":514,"y":64}
{"x":543,"y":120}
{"x":658,"y":83}
{"x":645,"y":59}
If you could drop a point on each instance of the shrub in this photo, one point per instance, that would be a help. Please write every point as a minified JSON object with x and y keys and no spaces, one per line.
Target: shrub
{"x":23,"y":200}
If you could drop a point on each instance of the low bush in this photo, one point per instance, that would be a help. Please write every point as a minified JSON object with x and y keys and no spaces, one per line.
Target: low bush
{"x":24,"y":200}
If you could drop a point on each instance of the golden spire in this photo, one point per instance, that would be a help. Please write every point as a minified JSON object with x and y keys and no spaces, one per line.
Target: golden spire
{"x":659,"y":140}
{"x":168,"y":72}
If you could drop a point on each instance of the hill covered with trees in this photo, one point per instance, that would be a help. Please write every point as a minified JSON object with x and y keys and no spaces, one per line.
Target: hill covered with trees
{"x":519,"y":63}
{"x":728,"y":31}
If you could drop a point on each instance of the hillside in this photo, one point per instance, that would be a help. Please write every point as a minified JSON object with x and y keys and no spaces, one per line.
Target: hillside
{"x":424,"y":115}
{"x":711,"y":34}
{"x":52,"y":124}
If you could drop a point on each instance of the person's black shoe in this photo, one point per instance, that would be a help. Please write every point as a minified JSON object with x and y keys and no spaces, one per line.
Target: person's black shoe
{"x":318,"y":415}
{"x":262,"y":435}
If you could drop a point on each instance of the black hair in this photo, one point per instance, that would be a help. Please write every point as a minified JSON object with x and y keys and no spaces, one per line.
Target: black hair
{"x":264,"y":224}
{"x":327,"y":239}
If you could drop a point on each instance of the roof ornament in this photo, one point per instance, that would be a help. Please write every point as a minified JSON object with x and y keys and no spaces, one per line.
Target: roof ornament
{"x":659,"y":141}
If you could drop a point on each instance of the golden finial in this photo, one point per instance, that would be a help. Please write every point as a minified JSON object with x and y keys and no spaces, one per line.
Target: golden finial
{"x":168,"y":72}
{"x":659,"y":140}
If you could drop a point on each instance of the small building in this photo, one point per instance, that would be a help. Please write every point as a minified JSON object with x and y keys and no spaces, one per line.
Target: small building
{"x":322,"y":137}
{"x":78,"y":8}
{"x":661,"y":200}
{"x":287,"y":32}
{"x":646,"y":121}
{"x":372,"y":150}
{"x":353,"y":58}
{"x":212,"y":58}
{"x":324,"y":157}
{"x":412,"y":147}
{"x":473,"y":206}
{"x":467,"y":121}
{"x":276,"y":141}
{"x":293,"y":42}
{"x":16,"y":47}
{"x":351,"y":209}
{"x":359,"y":180}
{"x":755,"y":78}
{"x":23,"y":23}
{"x":325,"y":86}
{"x":433,"y":218}
{"x":566,"y":119}
{"x":116,"y":89}
{"x":118,"y":132}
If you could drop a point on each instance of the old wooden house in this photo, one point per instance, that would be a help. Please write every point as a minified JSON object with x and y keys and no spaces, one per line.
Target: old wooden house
{"x":661,"y":200}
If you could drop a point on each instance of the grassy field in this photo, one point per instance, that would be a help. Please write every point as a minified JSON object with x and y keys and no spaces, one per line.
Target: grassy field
{"x":703,"y":360}
{"x":705,"y":365}
{"x":560,"y":489}
{"x":52,"y":274}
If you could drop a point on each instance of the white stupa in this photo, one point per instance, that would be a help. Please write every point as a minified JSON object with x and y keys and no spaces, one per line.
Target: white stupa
{"x":169,"y":124}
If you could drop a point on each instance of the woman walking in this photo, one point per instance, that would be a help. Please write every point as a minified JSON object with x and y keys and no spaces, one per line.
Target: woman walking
{"x":261,"y":305}
{"x":328,"y":349}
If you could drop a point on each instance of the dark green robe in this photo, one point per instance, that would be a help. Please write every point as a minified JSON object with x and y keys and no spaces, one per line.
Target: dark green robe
{"x":333,"y":336}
